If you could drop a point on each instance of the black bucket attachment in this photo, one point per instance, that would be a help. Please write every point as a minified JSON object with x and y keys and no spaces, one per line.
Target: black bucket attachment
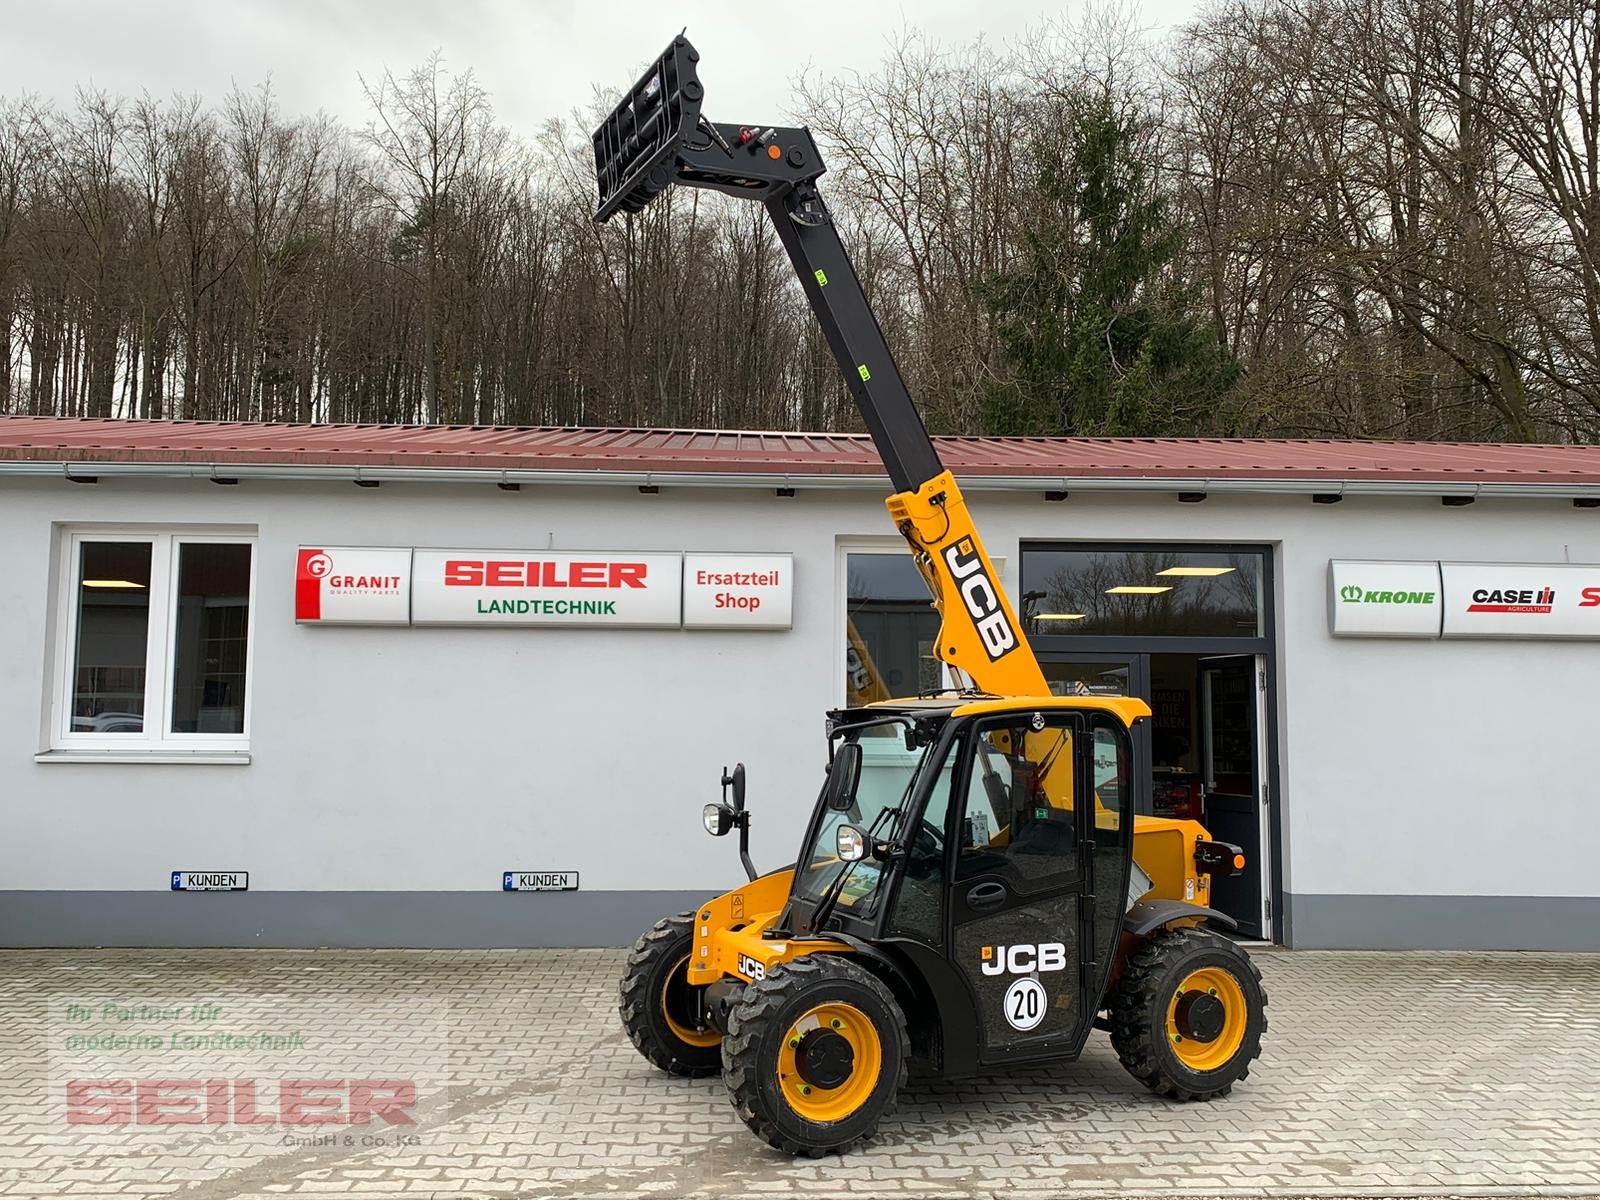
{"x":636,"y":147}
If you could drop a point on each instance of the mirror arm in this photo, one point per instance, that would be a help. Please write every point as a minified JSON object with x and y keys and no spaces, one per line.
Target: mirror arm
{"x":742,"y":819}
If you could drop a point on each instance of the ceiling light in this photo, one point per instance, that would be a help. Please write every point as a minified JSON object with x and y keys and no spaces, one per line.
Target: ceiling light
{"x":1138,"y":589}
{"x":1059,"y":616}
{"x":1197,"y":572}
{"x":111,"y":583}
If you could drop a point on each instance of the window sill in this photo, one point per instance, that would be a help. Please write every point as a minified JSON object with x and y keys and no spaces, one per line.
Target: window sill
{"x":214,"y":758}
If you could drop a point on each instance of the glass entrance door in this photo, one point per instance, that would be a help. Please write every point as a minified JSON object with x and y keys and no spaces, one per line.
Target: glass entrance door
{"x":1230,"y":764}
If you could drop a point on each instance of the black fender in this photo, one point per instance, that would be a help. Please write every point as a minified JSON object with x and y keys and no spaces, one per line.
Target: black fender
{"x":926,"y":987}
{"x":1146,"y":915}
{"x":880,"y":964}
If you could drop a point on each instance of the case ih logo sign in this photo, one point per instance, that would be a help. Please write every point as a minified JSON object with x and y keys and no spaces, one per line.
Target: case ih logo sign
{"x":1526,"y":600}
{"x":1517,"y":600}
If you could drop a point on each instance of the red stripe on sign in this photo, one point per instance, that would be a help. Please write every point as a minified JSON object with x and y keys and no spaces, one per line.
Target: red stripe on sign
{"x":307,"y":588}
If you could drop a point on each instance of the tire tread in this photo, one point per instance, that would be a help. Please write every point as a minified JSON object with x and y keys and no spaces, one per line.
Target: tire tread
{"x":635,"y":998}
{"x":753,"y":1018}
{"x":1139,"y":994}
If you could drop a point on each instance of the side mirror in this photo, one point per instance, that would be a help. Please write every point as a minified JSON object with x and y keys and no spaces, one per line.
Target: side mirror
{"x":843,"y":775}
{"x":850,"y":843}
{"x":735,"y":781}
{"x":718,"y":819}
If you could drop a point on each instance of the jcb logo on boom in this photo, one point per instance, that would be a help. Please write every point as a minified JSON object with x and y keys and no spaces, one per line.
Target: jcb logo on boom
{"x":1024,"y":959}
{"x":981,"y":597}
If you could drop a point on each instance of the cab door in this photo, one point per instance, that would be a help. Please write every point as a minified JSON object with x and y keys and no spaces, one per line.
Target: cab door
{"x":1021,"y":876}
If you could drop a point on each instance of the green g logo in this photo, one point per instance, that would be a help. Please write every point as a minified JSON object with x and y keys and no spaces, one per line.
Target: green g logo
{"x":1350,"y":593}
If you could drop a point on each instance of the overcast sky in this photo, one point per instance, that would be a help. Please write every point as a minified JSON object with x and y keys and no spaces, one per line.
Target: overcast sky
{"x":538,"y":58}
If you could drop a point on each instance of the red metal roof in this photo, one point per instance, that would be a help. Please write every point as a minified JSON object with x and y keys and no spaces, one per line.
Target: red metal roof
{"x":732,"y":452}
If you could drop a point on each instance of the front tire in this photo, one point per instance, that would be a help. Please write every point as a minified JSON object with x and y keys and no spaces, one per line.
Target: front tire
{"x":815,"y":1056}
{"x":656,"y":1002}
{"x":1188,"y":1014}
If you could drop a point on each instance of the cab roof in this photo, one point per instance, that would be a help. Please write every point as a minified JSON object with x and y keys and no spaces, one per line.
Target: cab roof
{"x":1128,"y":709}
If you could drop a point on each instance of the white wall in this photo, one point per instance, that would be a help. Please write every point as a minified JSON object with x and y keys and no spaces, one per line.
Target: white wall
{"x":432,"y":759}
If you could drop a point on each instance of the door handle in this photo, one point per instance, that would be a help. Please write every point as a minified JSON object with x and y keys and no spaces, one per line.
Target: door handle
{"x":986,"y":895}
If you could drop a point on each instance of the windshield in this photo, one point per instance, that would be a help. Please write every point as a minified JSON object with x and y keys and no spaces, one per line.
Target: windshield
{"x":888,"y":780}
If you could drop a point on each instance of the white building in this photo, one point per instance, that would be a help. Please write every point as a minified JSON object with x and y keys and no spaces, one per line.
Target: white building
{"x":166,"y":720}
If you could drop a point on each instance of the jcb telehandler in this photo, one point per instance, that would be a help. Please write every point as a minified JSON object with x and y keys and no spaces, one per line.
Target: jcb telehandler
{"x":974,"y":890}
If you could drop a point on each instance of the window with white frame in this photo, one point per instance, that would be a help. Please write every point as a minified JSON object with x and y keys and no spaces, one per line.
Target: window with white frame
{"x":154,"y":650}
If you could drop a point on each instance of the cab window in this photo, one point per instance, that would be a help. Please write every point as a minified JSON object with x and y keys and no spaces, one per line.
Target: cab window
{"x":1020,"y":821}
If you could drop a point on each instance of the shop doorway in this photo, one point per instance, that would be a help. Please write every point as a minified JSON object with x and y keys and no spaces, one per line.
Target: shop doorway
{"x":1231,"y":717}
{"x":1188,"y":631}
{"x":1201,"y":751}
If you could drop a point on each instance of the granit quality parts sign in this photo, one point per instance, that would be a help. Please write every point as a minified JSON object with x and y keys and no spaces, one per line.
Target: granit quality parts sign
{"x":349,"y":585}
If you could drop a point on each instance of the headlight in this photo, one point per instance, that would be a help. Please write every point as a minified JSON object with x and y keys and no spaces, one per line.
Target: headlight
{"x":718,"y":819}
{"x":850,"y":843}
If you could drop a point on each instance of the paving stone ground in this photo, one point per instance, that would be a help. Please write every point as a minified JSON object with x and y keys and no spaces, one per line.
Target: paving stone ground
{"x":1393,"y":1074}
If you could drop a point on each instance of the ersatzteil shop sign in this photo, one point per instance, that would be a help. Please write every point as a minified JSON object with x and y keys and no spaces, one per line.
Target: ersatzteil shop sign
{"x":1521,"y":600}
{"x":1384,"y":599}
{"x":558,"y":588}
{"x":738,"y":591}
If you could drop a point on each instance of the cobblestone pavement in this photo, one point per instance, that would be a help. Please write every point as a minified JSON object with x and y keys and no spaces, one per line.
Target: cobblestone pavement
{"x":1399,"y":1074}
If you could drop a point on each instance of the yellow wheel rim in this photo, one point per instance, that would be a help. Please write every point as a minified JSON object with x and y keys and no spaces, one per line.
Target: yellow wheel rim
{"x":1209,"y":1056}
{"x":687,"y":1034}
{"x":816,"y":1103}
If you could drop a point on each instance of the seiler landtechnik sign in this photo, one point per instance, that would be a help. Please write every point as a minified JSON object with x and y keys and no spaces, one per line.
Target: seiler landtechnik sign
{"x":354,"y":585}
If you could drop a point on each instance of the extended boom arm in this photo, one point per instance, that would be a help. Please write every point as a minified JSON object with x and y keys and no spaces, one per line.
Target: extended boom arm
{"x":656,"y":137}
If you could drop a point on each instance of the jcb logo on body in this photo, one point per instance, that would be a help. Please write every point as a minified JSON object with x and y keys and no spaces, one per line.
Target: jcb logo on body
{"x":1024,"y":959}
{"x":751,"y":969}
{"x":981,"y":597}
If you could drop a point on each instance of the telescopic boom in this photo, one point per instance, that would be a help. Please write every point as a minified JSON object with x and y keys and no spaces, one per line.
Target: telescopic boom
{"x":657,"y":137}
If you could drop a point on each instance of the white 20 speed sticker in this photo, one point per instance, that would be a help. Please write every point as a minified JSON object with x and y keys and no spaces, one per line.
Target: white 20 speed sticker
{"x":1025,"y":1003}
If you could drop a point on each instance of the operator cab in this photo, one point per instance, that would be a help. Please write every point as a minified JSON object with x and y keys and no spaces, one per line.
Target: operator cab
{"x":989,"y":842}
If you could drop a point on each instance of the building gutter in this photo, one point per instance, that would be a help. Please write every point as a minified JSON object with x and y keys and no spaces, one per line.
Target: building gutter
{"x":85,"y":471}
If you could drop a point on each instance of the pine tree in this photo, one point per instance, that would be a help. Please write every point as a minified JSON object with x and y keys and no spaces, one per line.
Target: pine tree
{"x":1097,"y":338}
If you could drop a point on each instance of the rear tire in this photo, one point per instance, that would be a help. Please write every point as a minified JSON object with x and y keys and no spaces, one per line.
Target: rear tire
{"x":655,"y":997}
{"x":815,"y":1056}
{"x":1188,"y":1014}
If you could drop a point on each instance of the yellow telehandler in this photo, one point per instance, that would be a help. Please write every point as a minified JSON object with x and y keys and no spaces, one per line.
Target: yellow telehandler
{"x":974,"y":890}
